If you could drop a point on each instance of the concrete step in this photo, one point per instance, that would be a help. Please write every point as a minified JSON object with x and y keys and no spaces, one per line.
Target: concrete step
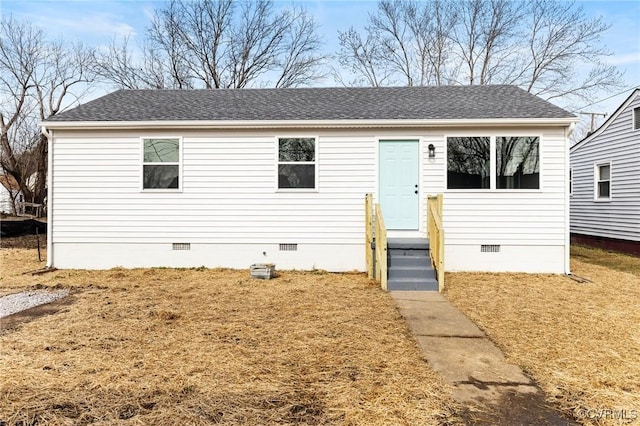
{"x":420,"y":284}
{"x":402,"y":261}
{"x":399,"y":252}
{"x":424,"y":272}
{"x":408,"y":243}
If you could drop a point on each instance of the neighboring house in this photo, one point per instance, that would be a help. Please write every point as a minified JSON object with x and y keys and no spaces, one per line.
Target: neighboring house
{"x":9,"y":194}
{"x":605,"y":199}
{"x":234,"y":177}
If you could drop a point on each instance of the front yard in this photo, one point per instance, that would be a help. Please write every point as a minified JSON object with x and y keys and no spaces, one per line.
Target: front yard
{"x":580,"y":341}
{"x":197,"y":346}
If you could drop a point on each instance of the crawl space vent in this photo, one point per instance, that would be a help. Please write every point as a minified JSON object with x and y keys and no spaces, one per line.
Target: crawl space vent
{"x":181,"y":246}
{"x":288,"y":247}
{"x":490,"y":248}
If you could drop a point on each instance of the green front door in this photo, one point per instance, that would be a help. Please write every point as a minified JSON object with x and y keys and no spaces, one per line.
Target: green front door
{"x":398,"y":178}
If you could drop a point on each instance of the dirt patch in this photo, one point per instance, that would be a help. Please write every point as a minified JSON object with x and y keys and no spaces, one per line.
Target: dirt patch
{"x":579,"y":341}
{"x":13,"y":321}
{"x":24,"y":242}
{"x":515,"y":409}
{"x":199,"y":346}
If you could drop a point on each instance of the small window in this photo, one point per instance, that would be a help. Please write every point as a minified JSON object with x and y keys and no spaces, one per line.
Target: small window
{"x":296,"y":163}
{"x":570,"y":180}
{"x":636,"y":118}
{"x":517,"y":162}
{"x":468,"y":163}
{"x":161,"y":164}
{"x":603,"y":181}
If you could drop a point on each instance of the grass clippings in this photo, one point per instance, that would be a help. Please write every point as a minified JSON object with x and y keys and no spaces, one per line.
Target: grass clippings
{"x":579,"y":341}
{"x":200,"y":346}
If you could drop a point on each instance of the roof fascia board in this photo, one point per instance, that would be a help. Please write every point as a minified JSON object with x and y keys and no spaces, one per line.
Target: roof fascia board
{"x":608,"y":122}
{"x":299,"y":124}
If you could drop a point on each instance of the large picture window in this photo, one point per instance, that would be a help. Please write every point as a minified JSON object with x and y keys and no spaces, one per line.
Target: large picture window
{"x":296,"y":163}
{"x":517,"y":162}
{"x":161,"y":163}
{"x":468,"y":162}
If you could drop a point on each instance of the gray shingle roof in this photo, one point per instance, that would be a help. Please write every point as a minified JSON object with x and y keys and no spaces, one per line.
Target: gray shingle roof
{"x":384,"y":103}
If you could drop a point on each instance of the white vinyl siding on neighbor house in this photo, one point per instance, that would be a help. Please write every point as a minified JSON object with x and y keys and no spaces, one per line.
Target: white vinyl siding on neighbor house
{"x":618,"y":144}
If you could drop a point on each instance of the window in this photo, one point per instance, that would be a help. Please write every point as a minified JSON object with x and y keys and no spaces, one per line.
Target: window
{"x":296,"y":163}
{"x":636,"y":118}
{"x":161,"y":163}
{"x":517,"y":162}
{"x":570,"y":180}
{"x":603,"y":181}
{"x":468,"y":162}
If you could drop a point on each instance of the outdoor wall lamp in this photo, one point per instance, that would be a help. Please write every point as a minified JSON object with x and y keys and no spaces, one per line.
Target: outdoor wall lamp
{"x":432,"y":150}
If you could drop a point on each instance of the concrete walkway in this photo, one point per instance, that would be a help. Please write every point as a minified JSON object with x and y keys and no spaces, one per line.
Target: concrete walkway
{"x":493,"y":391}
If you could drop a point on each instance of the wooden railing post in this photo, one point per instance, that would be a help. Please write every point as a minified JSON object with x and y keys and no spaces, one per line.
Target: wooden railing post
{"x":435,"y":230}
{"x":381,"y":248}
{"x":368,"y":223}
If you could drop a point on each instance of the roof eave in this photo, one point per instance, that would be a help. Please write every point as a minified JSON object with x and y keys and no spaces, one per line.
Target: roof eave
{"x":303,"y":124}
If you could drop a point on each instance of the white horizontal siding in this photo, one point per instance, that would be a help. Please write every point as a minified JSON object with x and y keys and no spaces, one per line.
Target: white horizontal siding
{"x":228,"y":192}
{"x":229,"y":196}
{"x":513,"y":217}
{"x":618,"y":217}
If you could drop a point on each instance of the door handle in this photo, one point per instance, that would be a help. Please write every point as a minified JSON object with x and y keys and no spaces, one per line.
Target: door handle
{"x":416,"y":191}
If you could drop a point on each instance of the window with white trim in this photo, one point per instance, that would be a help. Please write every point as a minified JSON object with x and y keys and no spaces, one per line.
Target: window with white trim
{"x":296,"y":163}
{"x":636,"y":118}
{"x":570,"y":180}
{"x":517,"y":162}
{"x":468,"y":162}
{"x":493,"y":162}
{"x":603,"y":181}
{"x":161,"y":163}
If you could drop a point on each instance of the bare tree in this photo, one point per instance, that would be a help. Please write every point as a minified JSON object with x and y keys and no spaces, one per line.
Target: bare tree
{"x":38,"y":78}
{"x":550,"y":48}
{"x":220,"y":44}
{"x":406,"y":42}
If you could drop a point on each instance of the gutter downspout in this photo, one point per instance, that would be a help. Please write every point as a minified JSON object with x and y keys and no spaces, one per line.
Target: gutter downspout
{"x":567,"y":201}
{"x":49,"y":136}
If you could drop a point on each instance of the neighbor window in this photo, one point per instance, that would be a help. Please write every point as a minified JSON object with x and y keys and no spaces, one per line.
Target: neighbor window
{"x":603,"y":181}
{"x":570,"y":180}
{"x":296,"y":163}
{"x":161,"y":163}
{"x":468,"y":162}
{"x":636,"y":118}
{"x":517,"y":162}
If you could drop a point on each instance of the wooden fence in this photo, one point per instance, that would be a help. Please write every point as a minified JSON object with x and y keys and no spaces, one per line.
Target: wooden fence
{"x":436,"y":237}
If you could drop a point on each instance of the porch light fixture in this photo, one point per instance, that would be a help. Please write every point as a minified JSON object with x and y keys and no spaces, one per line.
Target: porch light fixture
{"x":432,"y":150}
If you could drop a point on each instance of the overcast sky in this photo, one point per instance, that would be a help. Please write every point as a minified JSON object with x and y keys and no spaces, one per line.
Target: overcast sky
{"x":97,"y":23}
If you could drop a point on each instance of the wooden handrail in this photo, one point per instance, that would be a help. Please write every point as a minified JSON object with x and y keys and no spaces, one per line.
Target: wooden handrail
{"x":381,"y":249}
{"x":436,"y":237}
{"x":375,"y":235}
{"x":368,"y":223}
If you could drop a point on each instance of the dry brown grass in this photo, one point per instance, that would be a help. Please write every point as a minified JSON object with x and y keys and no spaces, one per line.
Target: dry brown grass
{"x":581,"y":342}
{"x":611,"y":259}
{"x":198,"y":346}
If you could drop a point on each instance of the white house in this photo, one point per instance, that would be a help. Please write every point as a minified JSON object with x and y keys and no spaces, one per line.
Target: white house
{"x":605,"y":196}
{"x":233,"y":177}
{"x":9,"y":194}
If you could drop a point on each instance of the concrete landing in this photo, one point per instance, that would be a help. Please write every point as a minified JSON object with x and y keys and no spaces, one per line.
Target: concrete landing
{"x":492,"y":390}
